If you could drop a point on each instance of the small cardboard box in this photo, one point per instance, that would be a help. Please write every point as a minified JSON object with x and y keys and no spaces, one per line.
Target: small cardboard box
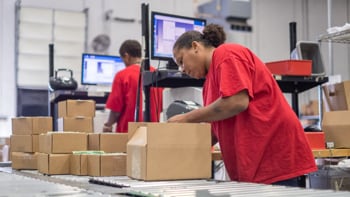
{"x":290,"y":67}
{"x":337,"y":96}
{"x":316,"y":140}
{"x":169,"y":151}
{"x":108,"y":142}
{"x":24,"y":161}
{"x":336,"y":127}
{"x":78,"y":164}
{"x":111,"y":164}
{"x":73,"y":108}
{"x":54,"y":163}
{"x":62,"y":142}
{"x":31,"y":125}
{"x":78,"y":124}
{"x":24,"y":143}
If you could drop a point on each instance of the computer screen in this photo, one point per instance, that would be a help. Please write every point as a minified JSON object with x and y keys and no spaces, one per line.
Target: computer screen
{"x":166,"y":28}
{"x":99,"y":69}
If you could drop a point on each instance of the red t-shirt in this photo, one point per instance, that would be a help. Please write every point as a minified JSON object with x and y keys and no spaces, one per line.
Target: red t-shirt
{"x":122,"y":98}
{"x":266,"y":142}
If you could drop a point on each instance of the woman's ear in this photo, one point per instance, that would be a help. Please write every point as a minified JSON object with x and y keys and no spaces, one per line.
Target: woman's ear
{"x":195,"y":45}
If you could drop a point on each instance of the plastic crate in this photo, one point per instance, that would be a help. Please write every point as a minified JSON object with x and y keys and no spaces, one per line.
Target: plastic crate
{"x":290,"y":67}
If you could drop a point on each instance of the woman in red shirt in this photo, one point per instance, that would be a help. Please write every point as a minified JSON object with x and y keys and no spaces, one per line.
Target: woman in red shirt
{"x":260,"y":136}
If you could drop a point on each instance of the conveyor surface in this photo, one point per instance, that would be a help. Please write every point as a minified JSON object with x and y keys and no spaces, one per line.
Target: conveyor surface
{"x":32,"y":183}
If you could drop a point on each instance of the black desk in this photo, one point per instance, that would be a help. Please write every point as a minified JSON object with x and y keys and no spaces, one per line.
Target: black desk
{"x":61,"y":95}
{"x":298,"y":84}
{"x":170,"y":79}
{"x":288,"y":84}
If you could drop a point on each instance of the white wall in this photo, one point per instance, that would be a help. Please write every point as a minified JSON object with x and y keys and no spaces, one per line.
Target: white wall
{"x":270,"y":36}
{"x":7,"y":62}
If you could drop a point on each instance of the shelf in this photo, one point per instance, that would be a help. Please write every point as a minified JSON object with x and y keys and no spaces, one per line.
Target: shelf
{"x":297,"y":84}
{"x":337,"y":37}
{"x":170,"y":79}
{"x":60,"y":95}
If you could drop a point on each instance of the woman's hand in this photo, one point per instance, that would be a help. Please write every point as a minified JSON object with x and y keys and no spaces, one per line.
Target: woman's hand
{"x":178,"y":118}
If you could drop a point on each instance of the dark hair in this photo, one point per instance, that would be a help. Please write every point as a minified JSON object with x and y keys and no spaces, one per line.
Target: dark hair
{"x":213,"y":35}
{"x":132,"y":47}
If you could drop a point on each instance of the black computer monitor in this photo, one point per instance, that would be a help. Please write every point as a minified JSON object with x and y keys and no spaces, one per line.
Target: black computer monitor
{"x":165,"y":30}
{"x":99,"y":69}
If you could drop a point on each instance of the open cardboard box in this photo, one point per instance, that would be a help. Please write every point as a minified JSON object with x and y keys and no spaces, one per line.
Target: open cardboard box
{"x":169,"y":151}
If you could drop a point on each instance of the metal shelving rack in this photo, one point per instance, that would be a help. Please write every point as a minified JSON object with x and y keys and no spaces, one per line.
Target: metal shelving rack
{"x":337,"y":37}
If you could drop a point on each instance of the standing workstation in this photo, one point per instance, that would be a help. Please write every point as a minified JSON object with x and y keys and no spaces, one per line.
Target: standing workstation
{"x":58,"y":60}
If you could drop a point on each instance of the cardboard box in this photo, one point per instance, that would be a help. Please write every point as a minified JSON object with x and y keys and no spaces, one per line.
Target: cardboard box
{"x":78,"y":124}
{"x":73,"y":108}
{"x":108,"y":142}
{"x":31,"y":125}
{"x":337,"y":96}
{"x":78,"y":164}
{"x":24,"y":161}
{"x":169,"y":151}
{"x":24,"y":143}
{"x":290,"y":67}
{"x":316,"y":140}
{"x":336,"y":127}
{"x":53,"y":163}
{"x":62,"y":142}
{"x":112,"y":164}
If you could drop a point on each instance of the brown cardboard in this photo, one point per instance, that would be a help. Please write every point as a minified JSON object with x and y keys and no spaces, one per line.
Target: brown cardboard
{"x":78,"y":164}
{"x":73,"y":108}
{"x":31,"y":125}
{"x":169,"y":151}
{"x":108,"y":142}
{"x":337,"y":96}
{"x":336,"y":126}
{"x":24,"y":161}
{"x":24,"y":143}
{"x":78,"y":124}
{"x":113,"y":164}
{"x":53,"y":163}
{"x":62,"y":142}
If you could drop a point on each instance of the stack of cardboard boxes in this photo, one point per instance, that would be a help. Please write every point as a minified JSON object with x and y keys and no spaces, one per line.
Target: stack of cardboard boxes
{"x":76,"y":115}
{"x":155,"y":151}
{"x":55,"y":149}
{"x":24,"y":140}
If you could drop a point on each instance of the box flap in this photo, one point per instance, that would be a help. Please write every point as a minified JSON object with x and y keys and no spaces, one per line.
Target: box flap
{"x":133,"y":126}
{"x":136,"y":154}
